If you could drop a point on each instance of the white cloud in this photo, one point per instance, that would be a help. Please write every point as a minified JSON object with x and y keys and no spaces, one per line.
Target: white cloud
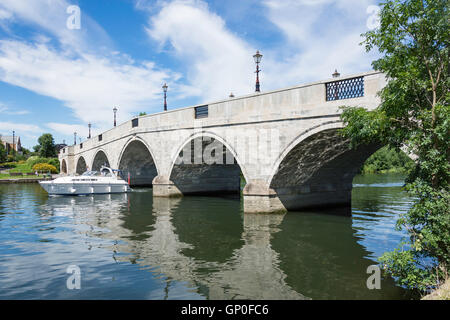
{"x":4,"y":14}
{"x":91,"y":86}
{"x":77,"y":69}
{"x":7,"y":111}
{"x":217,"y":61}
{"x":321,"y":36}
{"x":51,"y":16}
{"x":6,"y":128}
{"x":69,"y":129}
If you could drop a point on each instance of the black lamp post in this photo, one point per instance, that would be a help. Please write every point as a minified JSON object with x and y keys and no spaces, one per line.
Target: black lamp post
{"x":14,"y":142}
{"x":74,"y":138}
{"x":165,"y":96}
{"x":336,"y":74}
{"x":89,"y":125}
{"x":115,"y":112}
{"x":257,"y":58}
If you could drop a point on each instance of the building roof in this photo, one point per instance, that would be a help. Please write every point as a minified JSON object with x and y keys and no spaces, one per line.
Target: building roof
{"x":9,"y":139}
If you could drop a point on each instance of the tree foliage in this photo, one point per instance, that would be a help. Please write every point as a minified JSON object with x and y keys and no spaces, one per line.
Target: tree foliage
{"x":46,"y":146}
{"x":413,"y":39}
{"x":388,"y":160}
{"x":2,"y":153}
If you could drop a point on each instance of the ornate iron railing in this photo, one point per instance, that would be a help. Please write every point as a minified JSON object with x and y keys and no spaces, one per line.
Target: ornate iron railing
{"x":345,"y":89}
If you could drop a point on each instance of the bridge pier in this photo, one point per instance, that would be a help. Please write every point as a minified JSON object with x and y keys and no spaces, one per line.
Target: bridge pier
{"x":164,"y":187}
{"x":259,"y":198}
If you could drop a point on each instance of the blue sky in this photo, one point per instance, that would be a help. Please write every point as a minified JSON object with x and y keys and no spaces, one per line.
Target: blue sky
{"x":58,"y":79}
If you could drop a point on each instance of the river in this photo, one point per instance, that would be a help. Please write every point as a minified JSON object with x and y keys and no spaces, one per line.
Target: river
{"x":134,"y":246}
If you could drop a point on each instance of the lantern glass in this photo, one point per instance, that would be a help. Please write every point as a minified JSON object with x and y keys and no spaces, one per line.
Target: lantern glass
{"x":257,"y":57}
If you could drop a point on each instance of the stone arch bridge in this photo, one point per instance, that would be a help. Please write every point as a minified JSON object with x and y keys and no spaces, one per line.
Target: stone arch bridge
{"x":285,"y":143}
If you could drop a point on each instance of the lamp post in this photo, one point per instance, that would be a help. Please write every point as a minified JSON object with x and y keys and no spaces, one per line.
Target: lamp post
{"x":165,"y":96}
{"x":74,"y":138}
{"x":13,"y":142}
{"x":89,"y":125}
{"x":115,"y":112}
{"x":336,"y":74}
{"x":257,"y":58}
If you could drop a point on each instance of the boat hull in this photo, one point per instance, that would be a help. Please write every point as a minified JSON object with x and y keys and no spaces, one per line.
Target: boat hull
{"x":83,"y":188}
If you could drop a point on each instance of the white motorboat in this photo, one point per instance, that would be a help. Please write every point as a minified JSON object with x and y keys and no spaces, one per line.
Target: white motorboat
{"x":104,"y":181}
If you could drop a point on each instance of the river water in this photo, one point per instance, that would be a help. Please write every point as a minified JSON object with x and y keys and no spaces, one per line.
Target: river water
{"x":134,"y":246}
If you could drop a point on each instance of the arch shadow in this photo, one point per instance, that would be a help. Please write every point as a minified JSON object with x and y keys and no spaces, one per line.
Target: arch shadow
{"x":63,"y":166}
{"x":100,"y":159}
{"x":205,"y":164}
{"x":317,"y":170}
{"x":81,"y":165}
{"x":137,"y":162}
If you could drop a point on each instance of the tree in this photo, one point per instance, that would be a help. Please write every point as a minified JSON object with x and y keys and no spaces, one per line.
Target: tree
{"x":413,"y":39}
{"x":46,"y":146}
{"x":2,"y":153}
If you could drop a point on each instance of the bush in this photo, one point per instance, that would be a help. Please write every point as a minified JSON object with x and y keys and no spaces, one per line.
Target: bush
{"x":44,"y":167}
{"x":35,"y":160}
{"x":54,"y":162}
{"x":9,"y":165}
{"x":32,"y":161}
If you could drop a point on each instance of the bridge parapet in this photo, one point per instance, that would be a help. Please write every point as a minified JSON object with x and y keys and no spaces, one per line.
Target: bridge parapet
{"x":307,"y":100}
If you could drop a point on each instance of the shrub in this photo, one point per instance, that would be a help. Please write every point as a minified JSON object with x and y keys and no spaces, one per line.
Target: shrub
{"x":54,"y":162}
{"x":45,"y":167}
{"x":9,"y":165}
{"x":36,"y":160}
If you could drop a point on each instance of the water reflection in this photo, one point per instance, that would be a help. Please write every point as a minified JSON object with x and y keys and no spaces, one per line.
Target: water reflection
{"x":134,"y":246}
{"x":249,"y":271}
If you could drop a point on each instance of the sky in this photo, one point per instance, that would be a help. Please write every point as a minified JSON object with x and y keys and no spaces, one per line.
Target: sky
{"x":67,"y":63}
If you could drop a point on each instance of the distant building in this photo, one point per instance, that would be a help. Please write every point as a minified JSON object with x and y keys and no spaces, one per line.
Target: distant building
{"x":11,"y":143}
{"x":60,"y":146}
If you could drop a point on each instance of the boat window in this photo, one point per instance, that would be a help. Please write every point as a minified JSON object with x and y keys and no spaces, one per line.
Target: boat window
{"x":106,"y":173}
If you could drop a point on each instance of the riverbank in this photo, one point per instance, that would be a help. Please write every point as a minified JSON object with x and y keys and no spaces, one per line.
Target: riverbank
{"x":443,"y":293}
{"x":23,"y":180}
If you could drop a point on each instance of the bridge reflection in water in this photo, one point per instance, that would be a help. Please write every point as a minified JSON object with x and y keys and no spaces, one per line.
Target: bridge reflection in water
{"x":221,"y":253}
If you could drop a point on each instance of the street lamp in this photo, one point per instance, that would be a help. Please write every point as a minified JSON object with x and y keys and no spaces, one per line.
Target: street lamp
{"x":336,"y":74}
{"x":74,"y":138}
{"x":115,"y":112}
{"x":257,"y":58}
{"x":89,"y":125}
{"x":165,"y":96}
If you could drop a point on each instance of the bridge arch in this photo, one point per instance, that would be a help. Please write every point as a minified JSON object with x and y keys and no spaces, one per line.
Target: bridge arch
{"x":317,"y":168}
{"x":99,"y":160}
{"x":81,"y":165}
{"x":136,"y":159}
{"x":216,"y":169}
{"x":63,"y":166}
